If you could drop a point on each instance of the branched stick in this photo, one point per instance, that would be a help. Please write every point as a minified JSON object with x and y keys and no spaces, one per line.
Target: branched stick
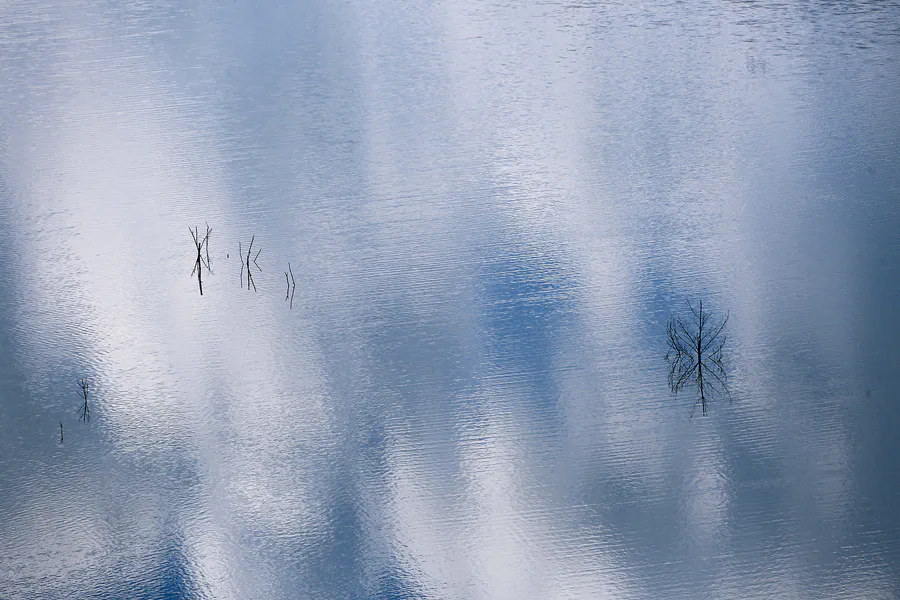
{"x":245,"y":264}
{"x":695,"y":355}
{"x":85,"y":410}
{"x":201,"y":262}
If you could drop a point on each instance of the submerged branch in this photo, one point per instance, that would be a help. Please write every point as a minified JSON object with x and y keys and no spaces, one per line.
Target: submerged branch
{"x":695,"y":355}
{"x":291,"y":286}
{"x":85,"y":410}
{"x":200,"y":244}
{"x":245,"y":263}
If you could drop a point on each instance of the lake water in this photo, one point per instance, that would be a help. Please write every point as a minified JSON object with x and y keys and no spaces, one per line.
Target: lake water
{"x":490,"y":210}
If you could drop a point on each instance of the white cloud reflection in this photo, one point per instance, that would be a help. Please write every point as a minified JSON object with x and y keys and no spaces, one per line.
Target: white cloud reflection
{"x":419,"y":416}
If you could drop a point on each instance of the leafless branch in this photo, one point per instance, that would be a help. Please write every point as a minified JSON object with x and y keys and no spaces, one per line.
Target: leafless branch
{"x":200,"y":261}
{"x":245,"y":264}
{"x":85,"y":411}
{"x":695,"y":355}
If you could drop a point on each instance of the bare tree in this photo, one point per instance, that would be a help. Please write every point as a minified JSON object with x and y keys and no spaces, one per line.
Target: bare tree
{"x":291,"y":284}
{"x":201,"y":262}
{"x":245,"y":264}
{"x":85,"y":410}
{"x":695,"y":355}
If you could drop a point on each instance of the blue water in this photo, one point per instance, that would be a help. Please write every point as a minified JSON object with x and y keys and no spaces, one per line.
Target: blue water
{"x":491,"y":210}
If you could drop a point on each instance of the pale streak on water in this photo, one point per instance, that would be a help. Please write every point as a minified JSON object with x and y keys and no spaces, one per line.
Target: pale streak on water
{"x":490,"y":208}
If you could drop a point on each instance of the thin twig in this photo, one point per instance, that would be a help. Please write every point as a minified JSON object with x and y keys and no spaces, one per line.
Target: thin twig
{"x":245,"y":264}
{"x":85,"y":410}
{"x":291,"y":285}
{"x":200,"y":262}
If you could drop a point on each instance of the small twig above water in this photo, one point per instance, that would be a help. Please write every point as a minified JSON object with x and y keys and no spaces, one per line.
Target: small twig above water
{"x":85,"y":411}
{"x":201,"y":262}
{"x":245,"y":264}
{"x":60,"y":432}
{"x":291,"y":285}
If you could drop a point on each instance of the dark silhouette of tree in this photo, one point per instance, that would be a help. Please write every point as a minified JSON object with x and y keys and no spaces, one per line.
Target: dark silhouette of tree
{"x":695,"y":355}
{"x":85,"y":410}
{"x":201,"y":262}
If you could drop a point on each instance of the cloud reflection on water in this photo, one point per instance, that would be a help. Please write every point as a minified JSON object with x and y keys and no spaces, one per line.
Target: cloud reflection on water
{"x":468,"y":399}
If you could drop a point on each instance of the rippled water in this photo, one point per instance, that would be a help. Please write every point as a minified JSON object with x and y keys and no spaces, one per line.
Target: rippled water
{"x":490,"y":209}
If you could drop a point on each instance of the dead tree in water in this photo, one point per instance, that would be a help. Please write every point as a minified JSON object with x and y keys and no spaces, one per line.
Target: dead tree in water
{"x":291,"y":284}
{"x":695,"y":355}
{"x":85,"y":411}
{"x":60,"y":433}
{"x":201,"y":262}
{"x":245,"y":264}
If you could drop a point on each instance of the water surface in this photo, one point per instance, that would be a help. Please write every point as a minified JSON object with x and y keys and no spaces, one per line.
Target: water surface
{"x":490,"y":209}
